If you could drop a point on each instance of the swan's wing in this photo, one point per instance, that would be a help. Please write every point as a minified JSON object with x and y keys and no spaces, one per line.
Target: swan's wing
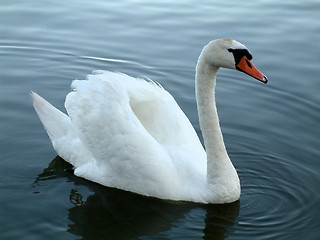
{"x":134,"y":129}
{"x":162,"y":117}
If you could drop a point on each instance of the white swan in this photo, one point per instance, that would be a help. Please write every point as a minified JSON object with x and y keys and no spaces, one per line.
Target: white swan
{"x":130,"y":134}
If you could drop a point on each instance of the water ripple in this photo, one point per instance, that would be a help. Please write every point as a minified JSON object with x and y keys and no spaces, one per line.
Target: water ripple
{"x":29,"y":48}
{"x":276,"y":195}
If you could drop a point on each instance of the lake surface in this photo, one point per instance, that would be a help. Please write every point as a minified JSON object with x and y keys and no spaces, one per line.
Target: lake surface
{"x":271,"y":131}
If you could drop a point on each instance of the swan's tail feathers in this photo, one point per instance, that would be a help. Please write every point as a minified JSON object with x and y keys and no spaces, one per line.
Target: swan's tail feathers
{"x":54,"y":121}
{"x":61,"y":132}
{"x":59,"y":128}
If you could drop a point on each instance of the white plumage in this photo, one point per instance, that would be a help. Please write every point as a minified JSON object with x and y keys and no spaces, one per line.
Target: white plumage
{"x":130,"y":134}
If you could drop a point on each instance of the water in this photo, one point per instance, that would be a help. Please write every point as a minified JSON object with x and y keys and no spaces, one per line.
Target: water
{"x":271,"y":131}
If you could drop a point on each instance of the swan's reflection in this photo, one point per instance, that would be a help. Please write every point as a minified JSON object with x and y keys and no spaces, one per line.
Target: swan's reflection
{"x":116,"y":214}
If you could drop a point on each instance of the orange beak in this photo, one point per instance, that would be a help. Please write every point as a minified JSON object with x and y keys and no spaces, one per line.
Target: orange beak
{"x":246,"y":66}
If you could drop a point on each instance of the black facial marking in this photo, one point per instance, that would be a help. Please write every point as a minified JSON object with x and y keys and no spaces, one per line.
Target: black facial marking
{"x":239,"y":53}
{"x":248,"y":63}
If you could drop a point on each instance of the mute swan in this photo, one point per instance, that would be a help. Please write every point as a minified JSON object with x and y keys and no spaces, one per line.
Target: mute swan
{"x":130,"y":134}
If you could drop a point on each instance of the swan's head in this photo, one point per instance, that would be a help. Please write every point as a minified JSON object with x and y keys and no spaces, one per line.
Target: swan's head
{"x":228,"y":53}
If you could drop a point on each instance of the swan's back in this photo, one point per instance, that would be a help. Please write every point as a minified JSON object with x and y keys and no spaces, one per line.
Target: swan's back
{"x":134,"y":135}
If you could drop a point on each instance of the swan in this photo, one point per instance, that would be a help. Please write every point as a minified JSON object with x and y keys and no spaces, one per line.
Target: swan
{"x":130,"y":133}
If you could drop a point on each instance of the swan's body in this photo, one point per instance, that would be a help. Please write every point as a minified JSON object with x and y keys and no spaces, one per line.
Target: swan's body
{"x":130,"y":133}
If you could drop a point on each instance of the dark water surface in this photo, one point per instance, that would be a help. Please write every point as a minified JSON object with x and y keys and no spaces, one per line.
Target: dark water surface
{"x":271,"y":131}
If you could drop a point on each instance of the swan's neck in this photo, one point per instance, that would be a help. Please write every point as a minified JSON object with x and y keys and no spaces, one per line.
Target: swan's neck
{"x":218,"y":162}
